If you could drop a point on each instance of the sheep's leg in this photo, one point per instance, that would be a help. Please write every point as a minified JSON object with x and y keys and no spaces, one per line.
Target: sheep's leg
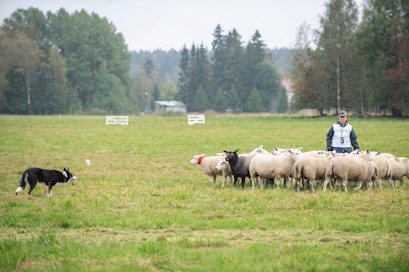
{"x":285,"y":182}
{"x":297,"y":185}
{"x":358,"y":185}
{"x":213,"y":178}
{"x":311,"y":185}
{"x":235,"y":180}
{"x":253,"y":180}
{"x":401,"y":182}
{"x":379,"y":181}
{"x":344,"y":185}
{"x":270,"y":182}
{"x":260,"y":181}
{"x":392,"y":183}
{"x":304,"y":184}
{"x":288,"y":182}
{"x":333,"y":184}
{"x":326,"y":181}
{"x":320,"y":182}
{"x":224,"y":181}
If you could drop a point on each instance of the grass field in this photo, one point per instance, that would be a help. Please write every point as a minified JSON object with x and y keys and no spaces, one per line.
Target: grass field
{"x":140,"y":205}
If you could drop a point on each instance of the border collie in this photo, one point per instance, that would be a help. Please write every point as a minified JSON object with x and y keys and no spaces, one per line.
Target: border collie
{"x":48,"y":177}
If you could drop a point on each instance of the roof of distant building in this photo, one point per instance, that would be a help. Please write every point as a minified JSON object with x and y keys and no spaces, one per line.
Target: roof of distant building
{"x":285,"y":81}
{"x":170,"y":103}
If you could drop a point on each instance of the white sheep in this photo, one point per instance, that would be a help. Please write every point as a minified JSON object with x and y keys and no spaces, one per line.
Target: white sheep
{"x":310,"y":168}
{"x":208,"y":165}
{"x":349,"y":167}
{"x":384,"y":168}
{"x":224,"y":166}
{"x":400,"y":169}
{"x":281,"y":151}
{"x":371,"y":177}
{"x":268,"y":166}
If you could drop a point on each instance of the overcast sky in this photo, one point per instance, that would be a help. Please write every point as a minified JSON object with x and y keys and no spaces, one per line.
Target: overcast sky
{"x":167,"y":24}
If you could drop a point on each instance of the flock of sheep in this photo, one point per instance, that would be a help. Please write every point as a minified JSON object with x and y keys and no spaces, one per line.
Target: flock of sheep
{"x":324,"y":167}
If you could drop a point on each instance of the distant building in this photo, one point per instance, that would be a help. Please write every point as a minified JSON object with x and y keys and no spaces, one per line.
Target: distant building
{"x":285,"y":81}
{"x":170,"y":106}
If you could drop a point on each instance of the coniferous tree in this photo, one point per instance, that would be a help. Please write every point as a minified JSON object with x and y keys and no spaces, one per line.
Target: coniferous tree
{"x":155,"y":95}
{"x":149,"y":67}
{"x":255,"y":54}
{"x":184,"y":75}
{"x":282,"y":100}
{"x":220,"y":101}
{"x":200,"y":100}
{"x":233,"y":100}
{"x":197,"y":65}
{"x":268,"y":83}
{"x":335,"y":47}
{"x":254,"y":102}
{"x":202,"y":68}
{"x":234,"y":66}
{"x":299,"y":65}
{"x":219,"y":59}
{"x":383,"y":46}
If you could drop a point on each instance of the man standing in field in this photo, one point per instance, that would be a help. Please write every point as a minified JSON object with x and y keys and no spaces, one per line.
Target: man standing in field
{"x":341,"y":135}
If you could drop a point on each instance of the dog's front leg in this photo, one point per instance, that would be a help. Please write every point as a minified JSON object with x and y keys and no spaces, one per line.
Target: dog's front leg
{"x":49,"y":191}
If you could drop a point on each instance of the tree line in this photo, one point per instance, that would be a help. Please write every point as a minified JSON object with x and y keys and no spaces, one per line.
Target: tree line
{"x":359,"y":66}
{"x":56,"y":63}
{"x":234,"y":77}
{"x":62,"y":63}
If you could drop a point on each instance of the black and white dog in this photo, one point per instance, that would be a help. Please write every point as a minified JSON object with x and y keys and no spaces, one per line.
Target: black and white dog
{"x":48,"y":177}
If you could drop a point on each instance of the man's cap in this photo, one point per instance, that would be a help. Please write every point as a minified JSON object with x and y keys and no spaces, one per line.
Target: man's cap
{"x":343,"y":113}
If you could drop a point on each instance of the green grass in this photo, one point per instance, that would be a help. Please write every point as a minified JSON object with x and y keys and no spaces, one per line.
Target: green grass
{"x":141,"y":206}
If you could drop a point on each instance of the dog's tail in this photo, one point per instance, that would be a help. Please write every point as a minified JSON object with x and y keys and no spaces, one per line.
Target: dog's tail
{"x":23,"y":183}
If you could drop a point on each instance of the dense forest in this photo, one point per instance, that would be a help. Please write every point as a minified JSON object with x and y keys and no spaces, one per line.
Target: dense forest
{"x":360,"y":65}
{"x":167,"y":62}
{"x":57,"y":63}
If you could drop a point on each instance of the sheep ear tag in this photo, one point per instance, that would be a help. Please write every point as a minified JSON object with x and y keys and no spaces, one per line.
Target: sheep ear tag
{"x":199,"y":161}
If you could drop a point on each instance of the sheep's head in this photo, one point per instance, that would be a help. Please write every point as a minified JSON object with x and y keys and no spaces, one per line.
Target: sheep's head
{"x":231,"y":155}
{"x":196,"y":158}
{"x":259,"y":149}
{"x":221,"y":164}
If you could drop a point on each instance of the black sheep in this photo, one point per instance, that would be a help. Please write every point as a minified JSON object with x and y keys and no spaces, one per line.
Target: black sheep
{"x":239,"y":165}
